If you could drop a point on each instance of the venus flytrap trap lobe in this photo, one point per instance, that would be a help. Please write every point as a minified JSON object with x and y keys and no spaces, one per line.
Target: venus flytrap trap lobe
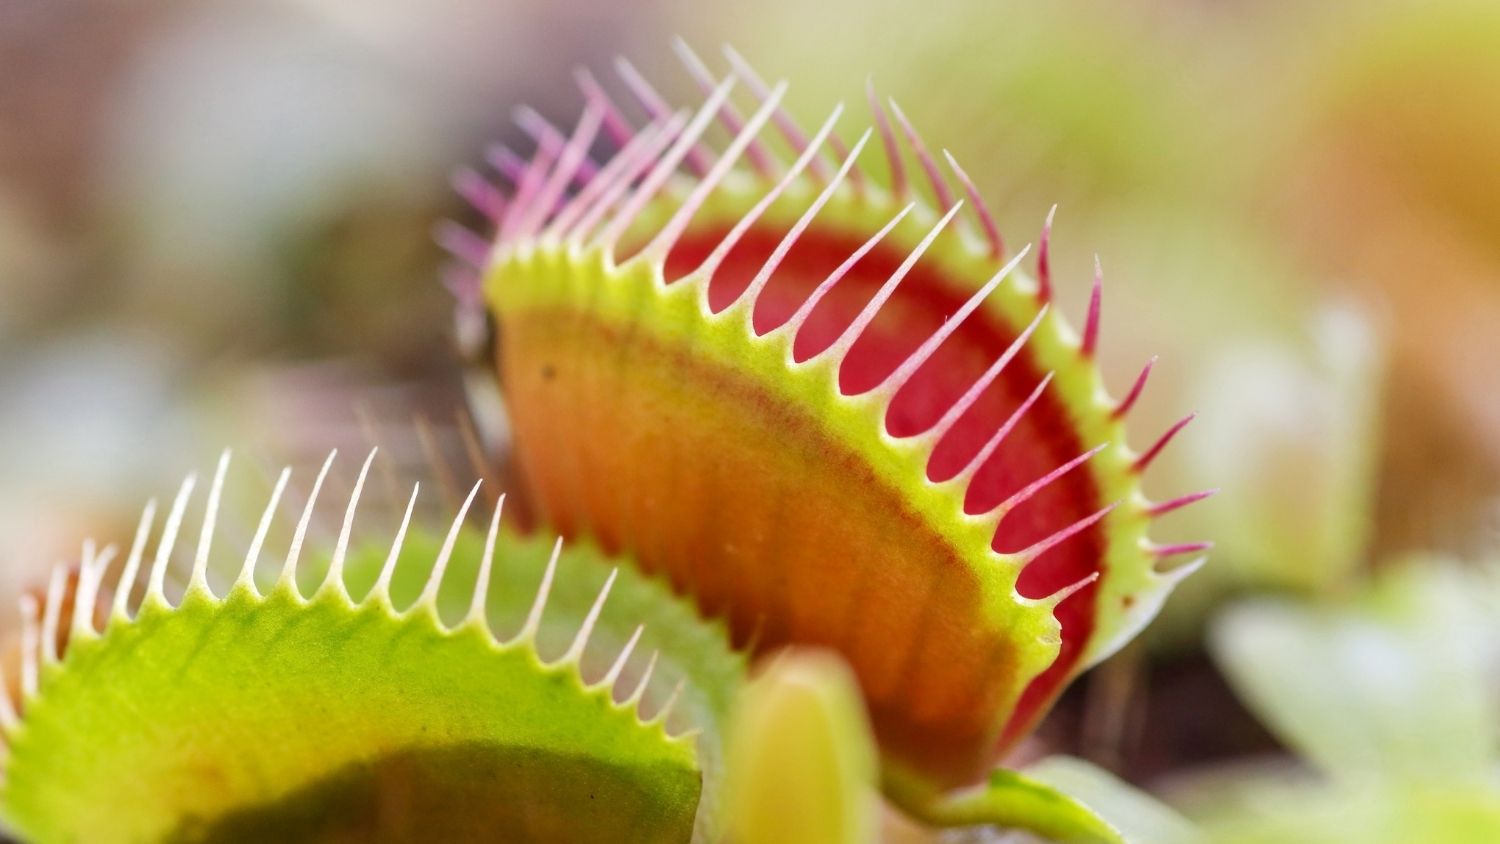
{"x":833,"y":412}
{"x":249,"y":715}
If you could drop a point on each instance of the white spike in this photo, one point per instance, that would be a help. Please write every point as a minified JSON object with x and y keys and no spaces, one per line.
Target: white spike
{"x":335,"y":577}
{"x":632,"y":164}
{"x":752,"y":292}
{"x":784,"y":121}
{"x":806,"y":308}
{"x":613,"y":675}
{"x":133,"y":562}
{"x":199,"y":577}
{"x":87,"y":597}
{"x":640,"y":688}
{"x":382,"y":585}
{"x":667,"y":237}
{"x":666,"y":166}
{"x":158,"y":576}
{"x":246,"y":577}
{"x":52,"y":610}
{"x":581,"y":641}
{"x":289,"y":567}
{"x":8,"y":718}
{"x":966,"y":401}
{"x":585,"y":199}
{"x":478,"y":607}
{"x":29,"y":641}
{"x":988,"y":449}
{"x":851,"y":334}
{"x":757,"y":154}
{"x":440,"y":566}
{"x":572,"y":157}
{"x":1063,"y":594}
{"x":914,"y":361}
{"x":534,"y":618}
{"x":665,"y":712}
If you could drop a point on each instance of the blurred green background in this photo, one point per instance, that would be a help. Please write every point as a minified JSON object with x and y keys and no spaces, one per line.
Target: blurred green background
{"x":215,"y":227}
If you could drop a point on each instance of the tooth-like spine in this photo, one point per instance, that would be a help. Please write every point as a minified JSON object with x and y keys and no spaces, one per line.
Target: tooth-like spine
{"x":1044,"y":260}
{"x":970,"y":396}
{"x":589,"y":195}
{"x":52,"y":610}
{"x":574,"y":154}
{"x":1151,"y":454}
{"x":381,"y":591}
{"x":665,"y":167}
{"x":581,"y":641}
{"x":665,"y":239}
{"x":669,"y":704}
{"x":763,"y":276}
{"x":505,"y":161}
{"x":334,"y":579}
{"x":461,"y":243}
{"x":981,"y":208}
{"x":613,"y":675}
{"x":1031,"y":489}
{"x":634,"y":701}
{"x":540,"y":129}
{"x":8,"y":718}
{"x":126,"y":585}
{"x":1180,"y":548}
{"x":534,"y":618}
{"x":903,"y":373}
{"x":940,"y":190}
{"x":1135,"y":391}
{"x":615,"y":124}
{"x":289,"y":568}
{"x":633,"y":162}
{"x":246,"y":579}
{"x":1165,"y":507}
{"x":695,"y":158}
{"x":1091,"y":322}
{"x":1042,"y":546}
{"x":846,"y":341}
{"x":429,"y":595}
{"x":1052,"y":601}
{"x":90,"y":576}
{"x":484,"y":195}
{"x":530,"y":183}
{"x":988,"y":449}
{"x":899,"y":186}
{"x":794,"y":325}
{"x":198,"y":580}
{"x":478,"y":605}
{"x":30,"y":639}
{"x":756,"y":152}
{"x":785,"y":123}
{"x":157,"y":580}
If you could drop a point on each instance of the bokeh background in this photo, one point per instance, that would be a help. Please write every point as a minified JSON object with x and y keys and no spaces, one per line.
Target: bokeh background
{"x":216,"y":228}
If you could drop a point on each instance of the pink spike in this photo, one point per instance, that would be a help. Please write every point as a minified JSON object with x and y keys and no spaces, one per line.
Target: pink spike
{"x":872,"y":308}
{"x":479,"y":192}
{"x":712,"y":262}
{"x":637,"y":162}
{"x":666,"y":165}
{"x":940,"y":188}
{"x":756,"y":153}
{"x":505,"y":161}
{"x":960,"y":407}
{"x":1163,"y":551}
{"x":914,"y":361}
{"x":1043,"y":260}
{"x":657,"y":108}
{"x":667,"y":237}
{"x":639,"y":150}
{"x":1026,"y":492}
{"x":1091,"y":322}
{"x":1135,"y":390}
{"x":614,"y":123}
{"x":526,"y":190}
{"x":574,"y":151}
{"x":795,"y":137}
{"x":1145,"y":459}
{"x":986,"y":219}
{"x":462,"y":243}
{"x":1041,"y":547}
{"x":899,"y":186}
{"x":1002,"y":432}
{"x":806,"y":308}
{"x":542,"y":131}
{"x":1063,"y":594}
{"x":463,"y":284}
{"x":1159,"y":510}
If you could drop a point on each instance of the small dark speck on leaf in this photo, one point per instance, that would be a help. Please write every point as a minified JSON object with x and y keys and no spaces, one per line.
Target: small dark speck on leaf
{"x":548,"y":372}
